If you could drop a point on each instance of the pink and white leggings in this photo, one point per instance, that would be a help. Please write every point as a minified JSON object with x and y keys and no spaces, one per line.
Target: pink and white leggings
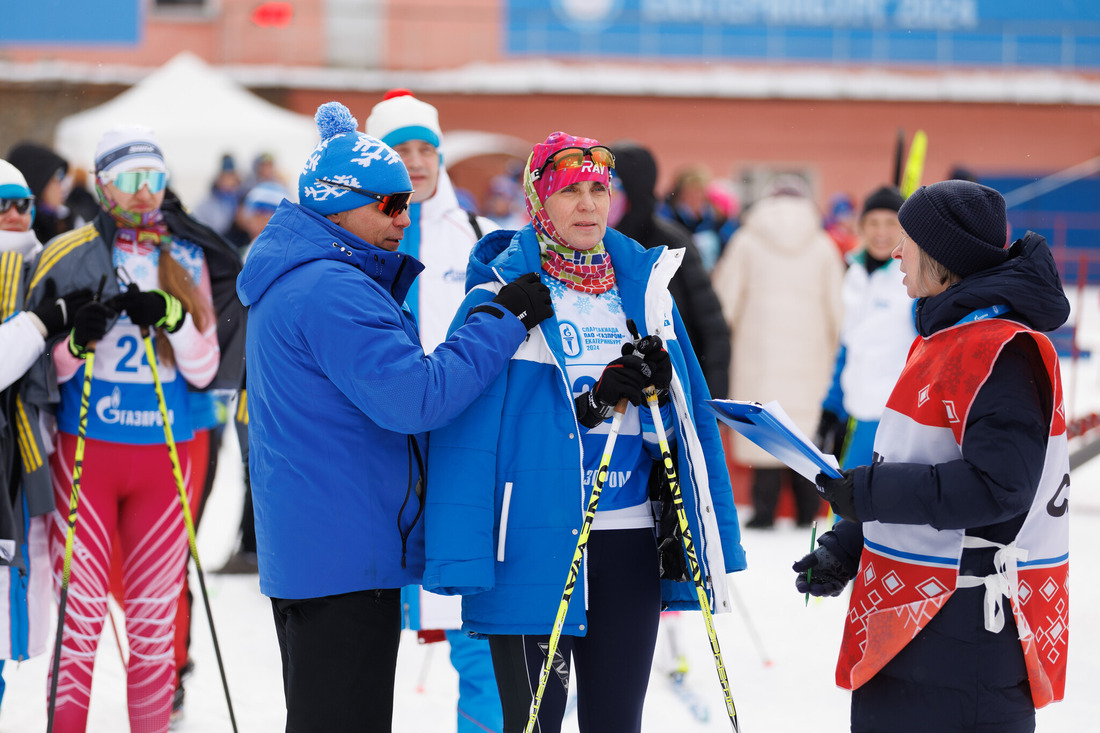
{"x":129,"y":489}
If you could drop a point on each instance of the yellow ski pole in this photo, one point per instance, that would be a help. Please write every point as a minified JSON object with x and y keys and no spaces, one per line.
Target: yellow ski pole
{"x":151,"y":357}
{"x":575,"y":566}
{"x":689,"y":551}
{"x":70,"y":531}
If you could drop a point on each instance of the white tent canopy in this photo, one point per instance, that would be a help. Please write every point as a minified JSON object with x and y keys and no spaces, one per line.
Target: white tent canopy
{"x":198,"y":115}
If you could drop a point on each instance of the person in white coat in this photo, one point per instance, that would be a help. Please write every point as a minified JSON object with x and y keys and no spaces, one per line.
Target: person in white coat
{"x":779,"y":281}
{"x":24,"y":553}
{"x":875,"y":338}
{"x":440,"y":235}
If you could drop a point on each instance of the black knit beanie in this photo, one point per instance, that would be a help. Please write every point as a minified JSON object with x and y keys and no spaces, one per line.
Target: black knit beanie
{"x":886,"y":197}
{"x":960,"y":224}
{"x":37,"y":163}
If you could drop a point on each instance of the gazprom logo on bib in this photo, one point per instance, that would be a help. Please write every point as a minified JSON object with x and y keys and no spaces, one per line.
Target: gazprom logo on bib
{"x":587,"y":16}
{"x":108,"y":410}
{"x":570,"y":338}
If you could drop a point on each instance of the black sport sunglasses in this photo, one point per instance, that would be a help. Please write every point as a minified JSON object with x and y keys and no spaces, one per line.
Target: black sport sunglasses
{"x":393,"y":204}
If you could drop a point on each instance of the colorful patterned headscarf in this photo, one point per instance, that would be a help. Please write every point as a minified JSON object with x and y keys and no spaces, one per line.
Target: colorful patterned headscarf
{"x":590,"y":270}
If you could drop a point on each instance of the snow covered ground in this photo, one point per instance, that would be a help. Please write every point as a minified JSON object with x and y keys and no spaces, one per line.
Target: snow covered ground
{"x":780,"y":654}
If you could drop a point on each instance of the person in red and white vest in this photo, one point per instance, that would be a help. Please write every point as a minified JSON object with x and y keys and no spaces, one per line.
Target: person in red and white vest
{"x":957,"y":535}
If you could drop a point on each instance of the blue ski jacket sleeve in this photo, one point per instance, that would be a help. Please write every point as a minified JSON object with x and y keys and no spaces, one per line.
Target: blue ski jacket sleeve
{"x":507,"y":495}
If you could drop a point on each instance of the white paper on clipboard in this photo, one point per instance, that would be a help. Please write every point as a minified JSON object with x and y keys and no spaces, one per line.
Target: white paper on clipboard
{"x":769,"y":427}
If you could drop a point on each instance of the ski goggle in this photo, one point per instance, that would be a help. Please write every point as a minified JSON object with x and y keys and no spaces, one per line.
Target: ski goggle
{"x":21,"y":206}
{"x":132,"y":181}
{"x":574,"y":157}
{"x":392,"y":204}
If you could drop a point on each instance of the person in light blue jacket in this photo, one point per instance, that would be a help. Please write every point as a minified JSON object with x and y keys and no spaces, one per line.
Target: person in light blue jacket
{"x":340,"y":394}
{"x":511,"y":476}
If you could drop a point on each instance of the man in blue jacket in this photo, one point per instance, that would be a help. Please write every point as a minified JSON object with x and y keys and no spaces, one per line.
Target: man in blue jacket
{"x":340,"y":394}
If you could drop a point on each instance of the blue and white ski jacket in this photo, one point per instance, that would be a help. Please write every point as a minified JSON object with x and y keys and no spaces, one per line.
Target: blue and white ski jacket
{"x":506,"y":496}
{"x":338,"y":390}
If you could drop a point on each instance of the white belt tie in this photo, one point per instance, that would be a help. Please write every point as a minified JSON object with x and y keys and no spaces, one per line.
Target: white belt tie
{"x":1003,"y":582}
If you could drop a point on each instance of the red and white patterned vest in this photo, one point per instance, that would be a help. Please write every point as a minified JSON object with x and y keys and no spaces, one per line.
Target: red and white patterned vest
{"x":907,"y":572}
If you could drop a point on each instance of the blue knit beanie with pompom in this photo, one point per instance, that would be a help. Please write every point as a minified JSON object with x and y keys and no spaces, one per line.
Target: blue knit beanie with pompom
{"x":349,"y":157}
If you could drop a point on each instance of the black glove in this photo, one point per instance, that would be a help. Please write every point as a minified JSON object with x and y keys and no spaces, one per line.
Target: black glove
{"x":526,"y":298}
{"x":831,"y":432}
{"x":89,"y":324}
{"x":624,"y":378}
{"x":656,"y":357}
{"x":839,"y":493}
{"x":56,"y":314}
{"x":661,"y":366}
{"x":147,"y":308}
{"x":829,"y":574}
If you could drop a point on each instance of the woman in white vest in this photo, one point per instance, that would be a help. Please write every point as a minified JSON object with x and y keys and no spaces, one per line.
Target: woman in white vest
{"x":957,"y":534}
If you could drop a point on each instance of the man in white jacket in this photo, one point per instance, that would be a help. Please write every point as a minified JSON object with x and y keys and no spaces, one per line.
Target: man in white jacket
{"x":441,"y":235}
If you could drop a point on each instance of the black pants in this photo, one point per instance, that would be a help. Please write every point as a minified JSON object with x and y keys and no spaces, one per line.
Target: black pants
{"x":766,"y":484}
{"x":339,"y":660}
{"x":612,"y":660}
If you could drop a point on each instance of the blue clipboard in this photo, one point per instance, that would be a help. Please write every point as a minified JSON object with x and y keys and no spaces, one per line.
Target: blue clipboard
{"x":769,"y":427}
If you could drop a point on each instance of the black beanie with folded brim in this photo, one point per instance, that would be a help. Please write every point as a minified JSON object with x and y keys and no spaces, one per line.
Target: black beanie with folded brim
{"x":961,"y":225}
{"x":888,"y":198}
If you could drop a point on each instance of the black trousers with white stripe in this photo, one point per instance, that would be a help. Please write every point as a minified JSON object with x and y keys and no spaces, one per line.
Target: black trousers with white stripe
{"x":612,"y":660}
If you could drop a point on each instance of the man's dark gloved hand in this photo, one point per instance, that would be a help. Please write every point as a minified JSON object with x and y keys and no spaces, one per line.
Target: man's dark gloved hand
{"x":839,"y":492}
{"x":151,"y":308}
{"x":89,"y":324}
{"x":526,"y":298}
{"x":828,"y":576}
{"x":624,"y":378}
{"x":831,"y":432}
{"x":56,"y":313}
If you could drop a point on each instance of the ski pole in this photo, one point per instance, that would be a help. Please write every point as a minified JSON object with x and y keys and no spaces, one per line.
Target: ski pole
{"x":70,"y":532}
{"x":575,"y":566}
{"x":689,"y":551}
{"x":750,"y":626}
{"x":151,"y":357}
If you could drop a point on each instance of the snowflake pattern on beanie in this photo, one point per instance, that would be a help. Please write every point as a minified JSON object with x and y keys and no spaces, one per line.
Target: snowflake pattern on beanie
{"x":351,"y":158}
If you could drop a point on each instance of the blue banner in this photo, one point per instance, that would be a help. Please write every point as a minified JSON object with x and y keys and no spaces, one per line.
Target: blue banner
{"x":71,"y":22}
{"x":1004,"y":33}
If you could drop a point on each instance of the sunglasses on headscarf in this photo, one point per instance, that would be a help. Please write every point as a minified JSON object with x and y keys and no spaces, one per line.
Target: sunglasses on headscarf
{"x":574,"y":157}
{"x":393,"y":204}
{"x":21,"y":205}
{"x":132,"y":181}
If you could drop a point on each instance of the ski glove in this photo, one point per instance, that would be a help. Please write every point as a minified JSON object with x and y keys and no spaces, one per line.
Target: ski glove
{"x":840,"y":493}
{"x":622,"y":379}
{"x":56,"y":313}
{"x":831,"y":432}
{"x":828,"y":577}
{"x":661,"y":366}
{"x":154,"y":308}
{"x":89,"y":324}
{"x":526,"y":298}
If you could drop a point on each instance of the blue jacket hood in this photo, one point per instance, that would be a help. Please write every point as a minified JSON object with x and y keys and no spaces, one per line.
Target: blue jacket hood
{"x":1027,"y":283}
{"x":294,"y":237}
{"x":501,"y":256}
